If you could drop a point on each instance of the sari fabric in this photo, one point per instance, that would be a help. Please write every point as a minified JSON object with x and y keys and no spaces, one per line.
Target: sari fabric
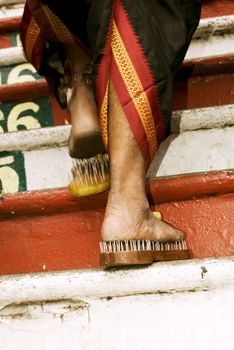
{"x":138,"y":45}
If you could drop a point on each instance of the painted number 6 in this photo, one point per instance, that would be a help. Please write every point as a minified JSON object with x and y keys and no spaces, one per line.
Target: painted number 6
{"x":15,"y":120}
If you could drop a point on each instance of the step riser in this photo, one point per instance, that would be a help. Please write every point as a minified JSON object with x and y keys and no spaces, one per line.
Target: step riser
{"x":25,"y":219}
{"x":8,"y":40}
{"x":15,"y":74}
{"x":201,"y":91}
{"x":215,"y":46}
{"x":196,"y":151}
{"x":182,"y":121}
{"x":217,"y":8}
{"x":13,"y":9}
{"x":27,"y":171}
{"x":41,"y":110}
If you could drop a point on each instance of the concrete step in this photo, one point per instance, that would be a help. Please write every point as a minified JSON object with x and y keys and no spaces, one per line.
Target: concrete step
{"x":51,"y":230}
{"x":145,"y":308}
{"x":26,"y":156}
{"x":11,"y":9}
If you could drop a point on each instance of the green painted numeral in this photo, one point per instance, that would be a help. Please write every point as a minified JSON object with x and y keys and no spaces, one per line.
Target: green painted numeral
{"x":25,"y":116}
{"x":18,"y":74}
{"x":12,"y":172}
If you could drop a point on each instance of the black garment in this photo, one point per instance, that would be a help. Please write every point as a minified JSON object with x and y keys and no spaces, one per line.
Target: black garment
{"x":164,"y":29}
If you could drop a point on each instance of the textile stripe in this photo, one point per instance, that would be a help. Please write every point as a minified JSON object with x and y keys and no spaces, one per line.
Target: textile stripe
{"x":141,"y":63}
{"x":31,"y":38}
{"x":60,"y":31}
{"x":103,"y":117}
{"x":130,"y":112}
{"x":134,"y":87}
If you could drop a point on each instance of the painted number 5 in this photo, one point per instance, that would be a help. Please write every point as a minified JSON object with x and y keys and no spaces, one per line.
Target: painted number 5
{"x":9,"y":178}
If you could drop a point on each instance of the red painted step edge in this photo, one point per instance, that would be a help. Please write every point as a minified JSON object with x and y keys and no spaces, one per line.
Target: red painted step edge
{"x":26,"y":91}
{"x":48,"y":231}
{"x":161,"y":190}
{"x":9,"y":24}
{"x":216,"y":8}
{"x":195,"y":86}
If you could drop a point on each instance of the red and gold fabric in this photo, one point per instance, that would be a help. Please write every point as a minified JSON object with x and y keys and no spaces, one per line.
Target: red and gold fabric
{"x":137,"y":45}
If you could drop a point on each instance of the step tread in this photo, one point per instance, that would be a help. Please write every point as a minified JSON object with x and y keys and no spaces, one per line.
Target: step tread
{"x":217,"y":117}
{"x":67,"y":285}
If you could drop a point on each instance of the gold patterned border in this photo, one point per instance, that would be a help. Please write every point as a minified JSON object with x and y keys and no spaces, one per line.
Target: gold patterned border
{"x":135,"y":88}
{"x":60,"y":31}
{"x":32,"y":34}
{"x":104,"y":116}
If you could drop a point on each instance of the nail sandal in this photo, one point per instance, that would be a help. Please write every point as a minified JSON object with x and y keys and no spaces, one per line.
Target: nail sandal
{"x":140,"y":252}
{"x":90,"y":176}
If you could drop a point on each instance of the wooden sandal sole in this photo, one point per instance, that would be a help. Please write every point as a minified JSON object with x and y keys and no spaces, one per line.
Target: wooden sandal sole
{"x":141,"y":252}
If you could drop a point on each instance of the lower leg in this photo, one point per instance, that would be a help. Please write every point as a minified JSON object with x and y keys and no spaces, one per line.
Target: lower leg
{"x":85,"y":139}
{"x":128,"y":215}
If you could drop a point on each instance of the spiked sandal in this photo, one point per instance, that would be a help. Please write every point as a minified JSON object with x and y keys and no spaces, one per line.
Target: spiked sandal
{"x":140,"y":252}
{"x":90,"y":176}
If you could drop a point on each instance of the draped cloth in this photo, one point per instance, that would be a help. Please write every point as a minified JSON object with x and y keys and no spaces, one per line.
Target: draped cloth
{"x":138,"y":45}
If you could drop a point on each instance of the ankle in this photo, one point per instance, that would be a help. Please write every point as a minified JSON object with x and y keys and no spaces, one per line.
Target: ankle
{"x":120,"y":201}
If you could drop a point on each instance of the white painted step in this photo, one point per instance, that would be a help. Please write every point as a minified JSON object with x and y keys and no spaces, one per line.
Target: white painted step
{"x":202,"y":118}
{"x":12,"y":56}
{"x":190,"y":152}
{"x":181,"y":305}
{"x":204,"y":142}
{"x":194,"y":152}
{"x":43,"y":169}
{"x":11,"y":2}
{"x":12,"y":8}
{"x":217,"y":117}
{"x":213,"y":37}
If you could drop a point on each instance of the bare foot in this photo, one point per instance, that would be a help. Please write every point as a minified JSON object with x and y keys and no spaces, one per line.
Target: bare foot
{"x":128,"y":215}
{"x":125,"y":219}
{"x":85,"y":139}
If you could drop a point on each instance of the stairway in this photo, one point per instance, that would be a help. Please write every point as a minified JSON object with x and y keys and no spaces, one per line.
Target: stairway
{"x":74,"y":304}
{"x":190,"y":180}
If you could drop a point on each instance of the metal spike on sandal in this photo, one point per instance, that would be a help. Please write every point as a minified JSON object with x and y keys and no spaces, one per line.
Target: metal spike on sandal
{"x":141,"y":252}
